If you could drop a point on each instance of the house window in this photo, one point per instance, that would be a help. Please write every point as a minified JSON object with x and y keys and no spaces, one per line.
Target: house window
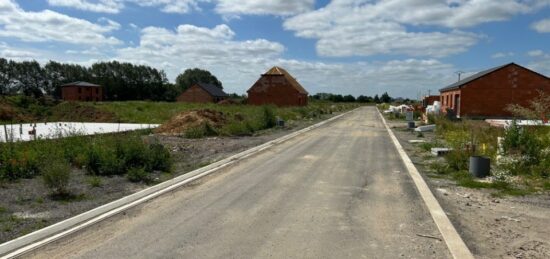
{"x":79,"y":90}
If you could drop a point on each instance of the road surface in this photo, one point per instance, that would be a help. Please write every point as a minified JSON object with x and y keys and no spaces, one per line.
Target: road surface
{"x":340,"y":191}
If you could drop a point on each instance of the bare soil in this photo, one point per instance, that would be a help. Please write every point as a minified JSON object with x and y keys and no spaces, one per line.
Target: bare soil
{"x":26,"y":206}
{"x":186,"y":120}
{"x":491,"y":226}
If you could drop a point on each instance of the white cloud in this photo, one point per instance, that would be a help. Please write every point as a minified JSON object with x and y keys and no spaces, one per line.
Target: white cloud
{"x":540,"y":62}
{"x":344,"y":28}
{"x":45,"y":26}
{"x":115,"y":6}
{"x":238,"y":64}
{"x":263,"y":7}
{"x":535,"y":53}
{"x":9,"y":52}
{"x":100,"y":6}
{"x":542,"y":26}
{"x":503,"y":55}
{"x":369,"y":27}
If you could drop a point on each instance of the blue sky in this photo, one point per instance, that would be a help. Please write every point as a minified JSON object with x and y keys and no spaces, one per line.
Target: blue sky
{"x":404,"y":47}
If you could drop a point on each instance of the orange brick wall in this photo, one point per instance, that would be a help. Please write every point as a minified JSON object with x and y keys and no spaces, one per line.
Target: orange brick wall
{"x":195,"y":94}
{"x":274,"y":89}
{"x":490,"y":95}
{"x":71,"y":93}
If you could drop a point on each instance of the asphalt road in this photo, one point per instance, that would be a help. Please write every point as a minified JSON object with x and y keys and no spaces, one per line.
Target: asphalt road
{"x":340,"y":191}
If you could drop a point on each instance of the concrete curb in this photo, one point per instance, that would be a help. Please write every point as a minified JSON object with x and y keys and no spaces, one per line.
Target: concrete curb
{"x":454,"y":242}
{"x":29,"y":242}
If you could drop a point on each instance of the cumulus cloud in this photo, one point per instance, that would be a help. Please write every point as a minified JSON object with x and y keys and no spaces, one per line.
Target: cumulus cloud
{"x":9,"y":52}
{"x":48,"y":25}
{"x":540,"y":61}
{"x":239,"y":63}
{"x":542,"y":26}
{"x":263,"y":7}
{"x":115,"y":6}
{"x":502,"y":55}
{"x":346,"y":28}
{"x":101,"y":6}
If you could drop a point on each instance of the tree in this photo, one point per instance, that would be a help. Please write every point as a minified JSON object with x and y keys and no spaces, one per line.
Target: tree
{"x":349,"y":98}
{"x":376,"y":99}
{"x":385,"y":98}
{"x":538,"y":109}
{"x":196,"y":75}
{"x":364,"y":99}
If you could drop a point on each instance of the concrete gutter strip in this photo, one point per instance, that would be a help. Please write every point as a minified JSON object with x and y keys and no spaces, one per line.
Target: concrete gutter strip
{"x":61,"y":229}
{"x":454,"y":242}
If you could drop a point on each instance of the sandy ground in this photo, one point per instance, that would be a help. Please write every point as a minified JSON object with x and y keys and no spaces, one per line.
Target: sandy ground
{"x":505,"y":227}
{"x":25,"y":205}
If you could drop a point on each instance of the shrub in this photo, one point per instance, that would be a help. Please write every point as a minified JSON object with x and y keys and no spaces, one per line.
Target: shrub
{"x":132,"y":152}
{"x":439,"y":168}
{"x":103,"y":160}
{"x":159,"y":158}
{"x":138,"y":175}
{"x":457,"y":160}
{"x":269,"y":118}
{"x":95,"y":181}
{"x":56,"y":174}
{"x":204,"y":130}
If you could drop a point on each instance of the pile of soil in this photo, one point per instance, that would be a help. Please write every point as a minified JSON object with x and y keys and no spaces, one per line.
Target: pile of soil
{"x":191,"y":119}
{"x":10,"y":113}
{"x":72,"y":111}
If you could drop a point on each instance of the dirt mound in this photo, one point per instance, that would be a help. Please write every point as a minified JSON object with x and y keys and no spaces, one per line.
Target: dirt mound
{"x":71,"y":111}
{"x":191,"y":119}
{"x":9,"y":113}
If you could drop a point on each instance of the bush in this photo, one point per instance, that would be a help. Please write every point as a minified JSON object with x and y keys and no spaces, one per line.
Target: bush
{"x":269,"y":118}
{"x":56,"y":174}
{"x":204,"y":130}
{"x":138,"y":175}
{"x":159,"y":158}
{"x":95,"y":181}
{"x":458,"y":160}
{"x":16,"y":164}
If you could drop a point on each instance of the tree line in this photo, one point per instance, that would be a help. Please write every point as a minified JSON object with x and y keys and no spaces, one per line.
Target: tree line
{"x":120,"y":81}
{"x":384,"y":98}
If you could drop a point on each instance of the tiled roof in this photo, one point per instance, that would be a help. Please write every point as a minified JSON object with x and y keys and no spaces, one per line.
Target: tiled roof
{"x":280,"y":71}
{"x":212,"y":90}
{"x":472,"y":78}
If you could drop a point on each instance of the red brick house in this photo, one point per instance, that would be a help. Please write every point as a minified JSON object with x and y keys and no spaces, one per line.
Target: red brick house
{"x":488,"y":93}
{"x":82,"y":91}
{"x":277,"y":87}
{"x":202,"y":93}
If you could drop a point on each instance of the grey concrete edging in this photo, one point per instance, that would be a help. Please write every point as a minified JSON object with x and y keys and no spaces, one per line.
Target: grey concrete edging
{"x":454,"y":242}
{"x":29,"y":242}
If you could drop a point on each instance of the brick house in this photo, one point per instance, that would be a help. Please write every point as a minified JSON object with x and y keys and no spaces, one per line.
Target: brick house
{"x":202,"y":93}
{"x":488,"y":93}
{"x":81,"y":91}
{"x":277,"y":87}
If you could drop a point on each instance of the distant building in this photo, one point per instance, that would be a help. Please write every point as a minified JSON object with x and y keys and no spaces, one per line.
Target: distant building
{"x":277,"y":87}
{"x":202,"y":93}
{"x":82,"y":91}
{"x":488,"y":93}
